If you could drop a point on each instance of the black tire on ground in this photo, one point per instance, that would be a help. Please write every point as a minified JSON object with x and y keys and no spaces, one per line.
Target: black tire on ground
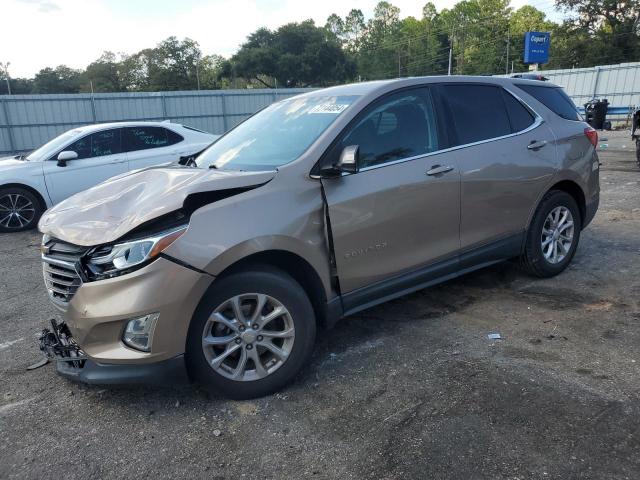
{"x":28,"y":219}
{"x":533,"y":260}
{"x":638,"y":151}
{"x":259,"y":279}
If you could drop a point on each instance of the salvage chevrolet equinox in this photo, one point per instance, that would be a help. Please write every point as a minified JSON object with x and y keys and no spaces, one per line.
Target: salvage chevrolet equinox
{"x":221,"y":270}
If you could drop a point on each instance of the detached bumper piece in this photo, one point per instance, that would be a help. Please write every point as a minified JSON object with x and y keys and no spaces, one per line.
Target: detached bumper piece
{"x":58,"y":344}
{"x":72,"y":363}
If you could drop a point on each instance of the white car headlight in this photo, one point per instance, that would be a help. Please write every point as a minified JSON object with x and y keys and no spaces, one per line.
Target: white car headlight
{"x":122,"y":257}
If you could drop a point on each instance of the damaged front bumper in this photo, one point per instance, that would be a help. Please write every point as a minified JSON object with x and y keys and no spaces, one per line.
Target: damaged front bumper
{"x":72,"y":363}
{"x":89,"y":345}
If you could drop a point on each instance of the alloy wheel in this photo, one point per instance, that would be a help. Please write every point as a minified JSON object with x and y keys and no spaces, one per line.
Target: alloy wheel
{"x":16,"y":211}
{"x":248,"y":337}
{"x":557,"y":235}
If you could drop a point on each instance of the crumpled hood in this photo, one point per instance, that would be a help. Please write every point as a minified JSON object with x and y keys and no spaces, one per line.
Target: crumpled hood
{"x":111,"y":209}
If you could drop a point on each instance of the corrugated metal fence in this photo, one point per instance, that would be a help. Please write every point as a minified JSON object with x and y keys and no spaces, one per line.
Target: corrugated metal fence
{"x":27,"y":121}
{"x":619,"y":84}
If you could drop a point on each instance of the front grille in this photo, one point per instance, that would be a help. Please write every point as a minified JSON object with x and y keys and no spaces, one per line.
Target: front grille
{"x":60,"y":269}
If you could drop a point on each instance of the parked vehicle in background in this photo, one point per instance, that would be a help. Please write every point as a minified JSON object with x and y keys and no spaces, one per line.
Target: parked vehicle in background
{"x":83,"y":157}
{"x":636,"y":136}
{"x":315,"y":208}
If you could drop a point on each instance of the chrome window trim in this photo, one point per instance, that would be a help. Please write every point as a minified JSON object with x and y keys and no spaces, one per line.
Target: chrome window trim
{"x":538,"y":120}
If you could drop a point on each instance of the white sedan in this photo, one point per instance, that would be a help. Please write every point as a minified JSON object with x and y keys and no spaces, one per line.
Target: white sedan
{"x":83,"y":157}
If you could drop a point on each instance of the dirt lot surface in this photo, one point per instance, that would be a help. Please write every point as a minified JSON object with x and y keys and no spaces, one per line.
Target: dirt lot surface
{"x":410,"y":389}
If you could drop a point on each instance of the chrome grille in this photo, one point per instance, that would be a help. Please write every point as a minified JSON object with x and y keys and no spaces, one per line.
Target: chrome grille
{"x":59,"y":260}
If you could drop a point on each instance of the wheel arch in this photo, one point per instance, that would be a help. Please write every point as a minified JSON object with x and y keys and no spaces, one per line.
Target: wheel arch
{"x":294,"y":265}
{"x":573,"y":189}
{"x":29,"y":188}
{"x":568,"y":186}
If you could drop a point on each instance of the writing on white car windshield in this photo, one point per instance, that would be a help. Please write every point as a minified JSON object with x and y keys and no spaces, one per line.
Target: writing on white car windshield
{"x":276,"y":135}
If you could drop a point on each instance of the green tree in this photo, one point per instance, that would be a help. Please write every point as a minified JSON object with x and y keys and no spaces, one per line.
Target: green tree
{"x":335,"y":25}
{"x":354,"y":27}
{"x":62,"y":79}
{"x":19,"y":86}
{"x":479,"y":31}
{"x":210,"y":70}
{"x":295,"y":55}
{"x":422,"y":47}
{"x":172,"y":65}
{"x":598,"y":31}
{"x":103,"y":74}
{"x":380,"y":50}
{"x":134,"y":71}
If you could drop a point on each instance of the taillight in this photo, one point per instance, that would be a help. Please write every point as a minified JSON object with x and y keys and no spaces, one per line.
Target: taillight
{"x":592,"y":135}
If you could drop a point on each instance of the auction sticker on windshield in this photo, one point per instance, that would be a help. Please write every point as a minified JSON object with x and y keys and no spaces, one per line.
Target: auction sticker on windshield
{"x":334,"y":108}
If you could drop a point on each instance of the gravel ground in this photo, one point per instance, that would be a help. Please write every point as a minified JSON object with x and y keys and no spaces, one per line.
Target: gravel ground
{"x":409,"y":389}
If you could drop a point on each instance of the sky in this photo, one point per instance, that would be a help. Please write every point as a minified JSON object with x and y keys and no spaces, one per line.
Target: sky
{"x":45,"y":33}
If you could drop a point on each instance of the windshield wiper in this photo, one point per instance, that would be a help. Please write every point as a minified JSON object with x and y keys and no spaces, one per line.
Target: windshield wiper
{"x":213,"y":165}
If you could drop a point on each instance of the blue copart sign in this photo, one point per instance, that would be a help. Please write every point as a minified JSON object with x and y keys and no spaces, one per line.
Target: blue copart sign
{"x":536,"y":47}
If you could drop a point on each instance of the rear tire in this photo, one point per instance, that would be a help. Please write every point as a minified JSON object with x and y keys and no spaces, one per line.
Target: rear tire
{"x":553,"y":236}
{"x":20,"y":210}
{"x":229,"y":322}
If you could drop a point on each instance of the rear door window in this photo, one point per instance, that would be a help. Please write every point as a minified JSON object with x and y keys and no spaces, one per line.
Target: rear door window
{"x":144,"y":138}
{"x":519,"y":115}
{"x":478,"y":112}
{"x":403,"y":125}
{"x":554,"y":99}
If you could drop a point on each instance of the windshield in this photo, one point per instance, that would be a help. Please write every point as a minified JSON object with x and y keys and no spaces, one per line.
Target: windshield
{"x":51,"y":146}
{"x":275,"y":136}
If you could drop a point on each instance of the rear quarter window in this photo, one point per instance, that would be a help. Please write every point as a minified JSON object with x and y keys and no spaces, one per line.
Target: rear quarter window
{"x":554,"y":99}
{"x":520,"y":117}
{"x":173,"y":137}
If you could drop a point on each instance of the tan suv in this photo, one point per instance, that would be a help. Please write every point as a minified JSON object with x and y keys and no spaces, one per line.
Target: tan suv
{"x":313,"y":209}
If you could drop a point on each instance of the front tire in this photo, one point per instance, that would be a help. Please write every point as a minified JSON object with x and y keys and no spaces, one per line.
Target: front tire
{"x":552,"y":238}
{"x":20,"y":209}
{"x":251,"y":334}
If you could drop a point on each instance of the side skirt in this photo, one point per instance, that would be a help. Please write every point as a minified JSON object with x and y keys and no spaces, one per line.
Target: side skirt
{"x":475,"y":259}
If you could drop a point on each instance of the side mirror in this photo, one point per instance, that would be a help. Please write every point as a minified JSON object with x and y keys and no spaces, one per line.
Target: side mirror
{"x":64,"y":157}
{"x":348,"y":161}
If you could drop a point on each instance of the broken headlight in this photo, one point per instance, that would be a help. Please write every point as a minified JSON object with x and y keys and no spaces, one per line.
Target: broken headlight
{"x":113,"y":260}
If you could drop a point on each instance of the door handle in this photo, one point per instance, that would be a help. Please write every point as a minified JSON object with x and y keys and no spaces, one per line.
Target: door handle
{"x":535,"y":145}
{"x":439,"y":169}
